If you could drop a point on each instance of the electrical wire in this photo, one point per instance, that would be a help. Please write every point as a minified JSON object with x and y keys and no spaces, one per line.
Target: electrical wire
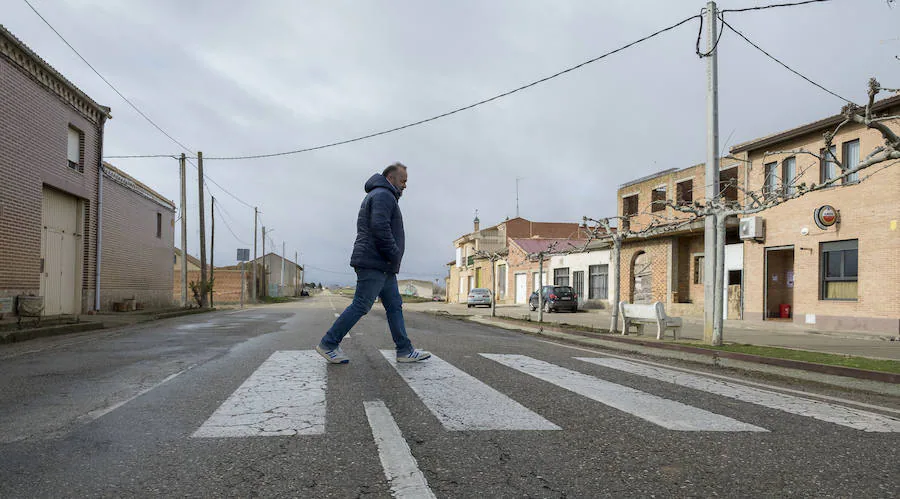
{"x":133,"y":106}
{"x":460,"y":109}
{"x":773,"y":6}
{"x":770,"y":56}
{"x":225,"y":221}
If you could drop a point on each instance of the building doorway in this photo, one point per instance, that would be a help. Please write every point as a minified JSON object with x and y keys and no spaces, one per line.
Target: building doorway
{"x":642,"y":279}
{"x":521,"y":288}
{"x":779,"y":296}
{"x":60,"y":253}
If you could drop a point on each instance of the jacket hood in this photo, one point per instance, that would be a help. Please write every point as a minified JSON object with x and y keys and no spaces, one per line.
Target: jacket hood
{"x":379,"y":180}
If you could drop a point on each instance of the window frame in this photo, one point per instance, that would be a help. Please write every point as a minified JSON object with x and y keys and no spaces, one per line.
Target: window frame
{"x":824,"y":164}
{"x":770,"y":179}
{"x":559,"y":275}
{"x":657,"y":204}
{"x":699,"y":261}
{"x":729,"y":192}
{"x":602,"y":290}
{"x":77,"y":166}
{"x":841,"y":247}
{"x":680,"y":192}
{"x":854,"y":178}
{"x":787,"y":180}
{"x":158,"y":225}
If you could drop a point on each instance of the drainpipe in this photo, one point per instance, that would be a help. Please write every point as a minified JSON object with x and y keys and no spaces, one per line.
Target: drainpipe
{"x":99,"y":215}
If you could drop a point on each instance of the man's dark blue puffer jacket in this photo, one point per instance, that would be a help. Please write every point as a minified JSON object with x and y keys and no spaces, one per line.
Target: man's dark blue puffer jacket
{"x":380,"y":240}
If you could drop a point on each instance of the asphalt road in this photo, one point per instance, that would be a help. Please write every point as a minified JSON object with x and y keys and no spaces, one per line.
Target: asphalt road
{"x":233,"y":404}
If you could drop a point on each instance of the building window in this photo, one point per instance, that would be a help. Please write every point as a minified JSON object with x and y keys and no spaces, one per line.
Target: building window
{"x":851,"y":160}
{"x":789,"y":175}
{"x":561,"y":277}
{"x":159,"y":225}
{"x":598,"y":282}
{"x":470,"y":260}
{"x":75,"y":149}
{"x":684,"y":192}
{"x":728,"y":185}
{"x":771,"y":182}
{"x":658,"y":199}
{"x":828,"y":168}
{"x":629,"y":208}
{"x":698,"y":269}
{"x":839,"y":270}
{"x":578,"y":282}
{"x":501,"y":281}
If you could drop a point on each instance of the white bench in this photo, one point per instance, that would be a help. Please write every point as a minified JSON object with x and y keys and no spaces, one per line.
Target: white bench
{"x":654,"y":313}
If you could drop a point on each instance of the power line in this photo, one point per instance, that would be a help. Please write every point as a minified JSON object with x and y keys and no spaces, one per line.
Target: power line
{"x":225,"y":221}
{"x":773,"y":6}
{"x":105,"y":80}
{"x":770,"y":56}
{"x":133,"y":106}
{"x":464,"y":108}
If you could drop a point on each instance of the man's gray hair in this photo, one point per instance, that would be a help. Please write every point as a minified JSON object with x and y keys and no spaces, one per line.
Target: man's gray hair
{"x":392,"y":168}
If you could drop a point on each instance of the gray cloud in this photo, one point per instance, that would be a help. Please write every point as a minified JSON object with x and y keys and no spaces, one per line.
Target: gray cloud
{"x":229,"y":77}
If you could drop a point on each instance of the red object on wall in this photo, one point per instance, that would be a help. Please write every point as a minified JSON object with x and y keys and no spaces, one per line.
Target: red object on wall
{"x":784,"y":311}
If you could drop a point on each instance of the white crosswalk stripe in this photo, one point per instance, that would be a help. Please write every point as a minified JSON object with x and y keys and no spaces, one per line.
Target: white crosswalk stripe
{"x":823,"y":411}
{"x":285,"y":396}
{"x":663,"y":412}
{"x":462,"y":402}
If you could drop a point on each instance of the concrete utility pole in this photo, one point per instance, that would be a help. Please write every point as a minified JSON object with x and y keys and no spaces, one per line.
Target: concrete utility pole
{"x":255,"y":218}
{"x":263,"y":278}
{"x":712,"y":174}
{"x":212,"y":248}
{"x":541,"y":287}
{"x":282,"y":268}
{"x":296,"y":275}
{"x":202,"y":201}
{"x":184,"y":279}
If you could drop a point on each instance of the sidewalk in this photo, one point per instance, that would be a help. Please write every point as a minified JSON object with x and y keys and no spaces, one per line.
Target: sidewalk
{"x":775,"y":334}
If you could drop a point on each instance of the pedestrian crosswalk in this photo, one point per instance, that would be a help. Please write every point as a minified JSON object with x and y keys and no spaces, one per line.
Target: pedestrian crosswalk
{"x":286,"y":395}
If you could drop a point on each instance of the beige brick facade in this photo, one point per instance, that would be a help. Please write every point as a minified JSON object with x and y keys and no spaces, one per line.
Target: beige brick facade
{"x":37,"y":107}
{"x":869,"y":213}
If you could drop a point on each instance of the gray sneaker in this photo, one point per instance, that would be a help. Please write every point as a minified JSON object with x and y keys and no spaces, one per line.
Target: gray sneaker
{"x":335,"y":356}
{"x":415,"y":356}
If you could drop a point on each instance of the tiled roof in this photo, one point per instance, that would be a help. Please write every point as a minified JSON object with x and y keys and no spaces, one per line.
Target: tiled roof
{"x":537,"y":245}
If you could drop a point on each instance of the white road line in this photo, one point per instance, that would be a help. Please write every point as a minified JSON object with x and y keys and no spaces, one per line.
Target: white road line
{"x":728,"y":378}
{"x":285,"y":396}
{"x":461,"y":402}
{"x":99,"y":413}
{"x":823,"y":411}
{"x":400,"y":467}
{"x":663,"y":412}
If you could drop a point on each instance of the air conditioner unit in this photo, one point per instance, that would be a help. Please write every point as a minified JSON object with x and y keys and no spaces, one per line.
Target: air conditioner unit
{"x":752,"y":228}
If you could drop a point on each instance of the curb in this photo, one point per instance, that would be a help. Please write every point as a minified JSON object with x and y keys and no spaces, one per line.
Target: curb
{"x":180,"y":313}
{"x":843,"y":377}
{"x":30,"y":334}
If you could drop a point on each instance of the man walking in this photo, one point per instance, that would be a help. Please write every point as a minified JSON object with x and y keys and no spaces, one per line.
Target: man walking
{"x":376,"y":259}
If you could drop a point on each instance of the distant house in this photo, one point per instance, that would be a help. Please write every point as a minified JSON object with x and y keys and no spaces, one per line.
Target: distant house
{"x":413,"y":287}
{"x":282,"y":277}
{"x":193,"y":263}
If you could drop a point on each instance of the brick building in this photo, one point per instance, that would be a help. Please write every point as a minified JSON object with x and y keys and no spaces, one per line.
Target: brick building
{"x":51,"y":137}
{"x":137,"y":241}
{"x":470,"y":270}
{"x":666,"y":263}
{"x":844,"y":276}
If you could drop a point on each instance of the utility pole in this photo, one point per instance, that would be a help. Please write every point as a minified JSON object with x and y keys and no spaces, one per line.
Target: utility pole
{"x":541,"y":287}
{"x":712,"y":174}
{"x":263,"y":278}
{"x":296,"y":275}
{"x":212,"y":248}
{"x":184,"y":279}
{"x":202,"y":201}
{"x":282,"y":268}
{"x":517,"y":196}
{"x":255,"y":218}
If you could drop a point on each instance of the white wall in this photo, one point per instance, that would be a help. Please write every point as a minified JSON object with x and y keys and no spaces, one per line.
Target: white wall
{"x":581,"y":262}
{"x":734,"y":260}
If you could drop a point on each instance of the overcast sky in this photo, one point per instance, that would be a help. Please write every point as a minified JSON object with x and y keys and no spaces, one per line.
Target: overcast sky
{"x":234,"y":77}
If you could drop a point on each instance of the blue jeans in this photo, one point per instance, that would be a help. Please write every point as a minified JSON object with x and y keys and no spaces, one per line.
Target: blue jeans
{"x":369,"y":284}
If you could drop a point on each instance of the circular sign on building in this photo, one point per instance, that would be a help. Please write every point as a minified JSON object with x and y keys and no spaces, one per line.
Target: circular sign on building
{"x":825,"y":216}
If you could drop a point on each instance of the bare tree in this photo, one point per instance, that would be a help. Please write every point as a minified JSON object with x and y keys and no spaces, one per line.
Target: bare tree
{"x":756,"y":201}
{"x":617,"y":234}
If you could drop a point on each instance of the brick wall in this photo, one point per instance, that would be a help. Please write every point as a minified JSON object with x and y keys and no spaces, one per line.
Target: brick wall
{"x":227,"y":286}
{"x":135,"y":263}
{"x":869,"y":213}
{"x":658,"y":250}
{"x":33,"y":139}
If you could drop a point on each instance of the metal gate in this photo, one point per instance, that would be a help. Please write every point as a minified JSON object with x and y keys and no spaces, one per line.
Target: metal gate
{"x":60,"y":242}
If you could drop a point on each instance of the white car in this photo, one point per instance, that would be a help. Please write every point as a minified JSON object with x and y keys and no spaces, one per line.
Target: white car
{"x":479,"y":296}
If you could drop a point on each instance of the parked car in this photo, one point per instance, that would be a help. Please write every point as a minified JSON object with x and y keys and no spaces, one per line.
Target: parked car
{"x":556,"y":298}
{"x":479,"y":296}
